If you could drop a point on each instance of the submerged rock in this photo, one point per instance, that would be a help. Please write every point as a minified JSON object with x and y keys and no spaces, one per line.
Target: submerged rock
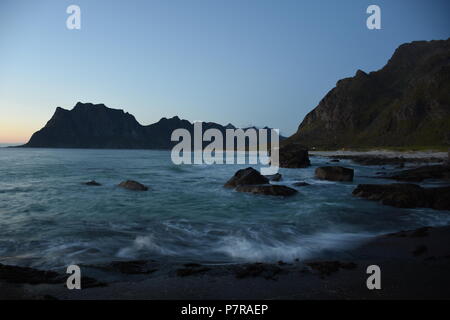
{"x":334,"y":173}
{"x":275,"y":177}
{"x":294,"y":156}
{"x":133,"y":185}
{"x":93,"y":183}
{"x":247,"y":176}
{"x":271,"y":190}
{"x":405,"y":195}
{"x":301,"y":184}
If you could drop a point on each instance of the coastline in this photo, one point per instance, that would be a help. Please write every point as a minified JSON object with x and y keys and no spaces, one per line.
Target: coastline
{"x":414,"y":265}
{"x":406,"y":155}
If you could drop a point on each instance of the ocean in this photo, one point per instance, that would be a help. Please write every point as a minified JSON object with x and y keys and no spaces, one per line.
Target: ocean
{"x":49,"y":219}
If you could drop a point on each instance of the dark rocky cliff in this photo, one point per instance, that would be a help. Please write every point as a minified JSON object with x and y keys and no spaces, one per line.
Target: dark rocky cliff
{"x":90,"y":125}
{"x":405,"y":104}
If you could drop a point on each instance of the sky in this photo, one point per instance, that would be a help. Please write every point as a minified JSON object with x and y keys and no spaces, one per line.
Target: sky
{"x":246,"y":62}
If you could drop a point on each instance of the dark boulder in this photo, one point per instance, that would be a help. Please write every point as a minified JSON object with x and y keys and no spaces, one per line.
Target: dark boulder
{"x":247,"y":176}
{"x":334,"y":173}
{"x":423,"y":173}
{"x":294,"y":156}
{"x":275,"y":177}
{"x":405,"y":195}
{"x":270,"y":190}
{"x":133,"y":185}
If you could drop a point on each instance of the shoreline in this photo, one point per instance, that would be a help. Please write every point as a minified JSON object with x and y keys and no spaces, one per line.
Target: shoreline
{"x":384,"y":153}
{"x":414,"y":265}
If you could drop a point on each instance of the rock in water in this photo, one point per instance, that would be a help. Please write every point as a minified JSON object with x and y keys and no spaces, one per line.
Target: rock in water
{"x":133,"y":185}
{"x":335,"y":173}
{"x":93,"y":183}
{"x":422,"y":173}
{"x":247,"y":176}
{"x":294,"y":156}
{"x":274,"y":177}
{"x":271,"y":190}
{"x":251,"y":181}
{"x":406,"y":195}
{"x":301,"y":184}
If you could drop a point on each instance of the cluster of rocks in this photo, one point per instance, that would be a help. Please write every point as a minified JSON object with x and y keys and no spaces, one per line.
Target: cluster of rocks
{"x":251,"y":181}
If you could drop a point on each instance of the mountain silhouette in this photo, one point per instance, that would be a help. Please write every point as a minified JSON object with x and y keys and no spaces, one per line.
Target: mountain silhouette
{"x":95,"y":126}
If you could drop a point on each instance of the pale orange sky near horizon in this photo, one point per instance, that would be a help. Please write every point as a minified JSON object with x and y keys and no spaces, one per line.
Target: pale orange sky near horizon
{"x":18,"y":125}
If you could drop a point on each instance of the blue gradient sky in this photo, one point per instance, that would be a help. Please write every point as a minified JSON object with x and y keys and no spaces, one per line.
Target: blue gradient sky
{"x":247,"y":62}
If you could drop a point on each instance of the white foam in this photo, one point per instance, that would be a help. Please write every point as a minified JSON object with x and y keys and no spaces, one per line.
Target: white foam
{"x":302,"y":248}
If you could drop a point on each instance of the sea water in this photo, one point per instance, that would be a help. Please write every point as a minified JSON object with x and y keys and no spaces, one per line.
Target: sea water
{"x":50,"y":219}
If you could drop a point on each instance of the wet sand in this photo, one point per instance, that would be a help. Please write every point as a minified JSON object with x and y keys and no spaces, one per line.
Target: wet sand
{"x":414,"y":265}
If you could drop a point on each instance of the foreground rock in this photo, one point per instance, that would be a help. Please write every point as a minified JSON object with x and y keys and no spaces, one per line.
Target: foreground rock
{"x":326,"y":268}
{"x":264,"y":270}
{"x":15,"y":274}
{"x":133,"y":185}
{"x":270,"y":190}
{"x":247,"y":176}
{"x":294,"y":156}
{"x":130,"y":267}
{"x":423,"y":173}
{"x":402,"y":195}
{"x":334,"y":173}
{"x":190,"y":269}
{"x":25,"y":275}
